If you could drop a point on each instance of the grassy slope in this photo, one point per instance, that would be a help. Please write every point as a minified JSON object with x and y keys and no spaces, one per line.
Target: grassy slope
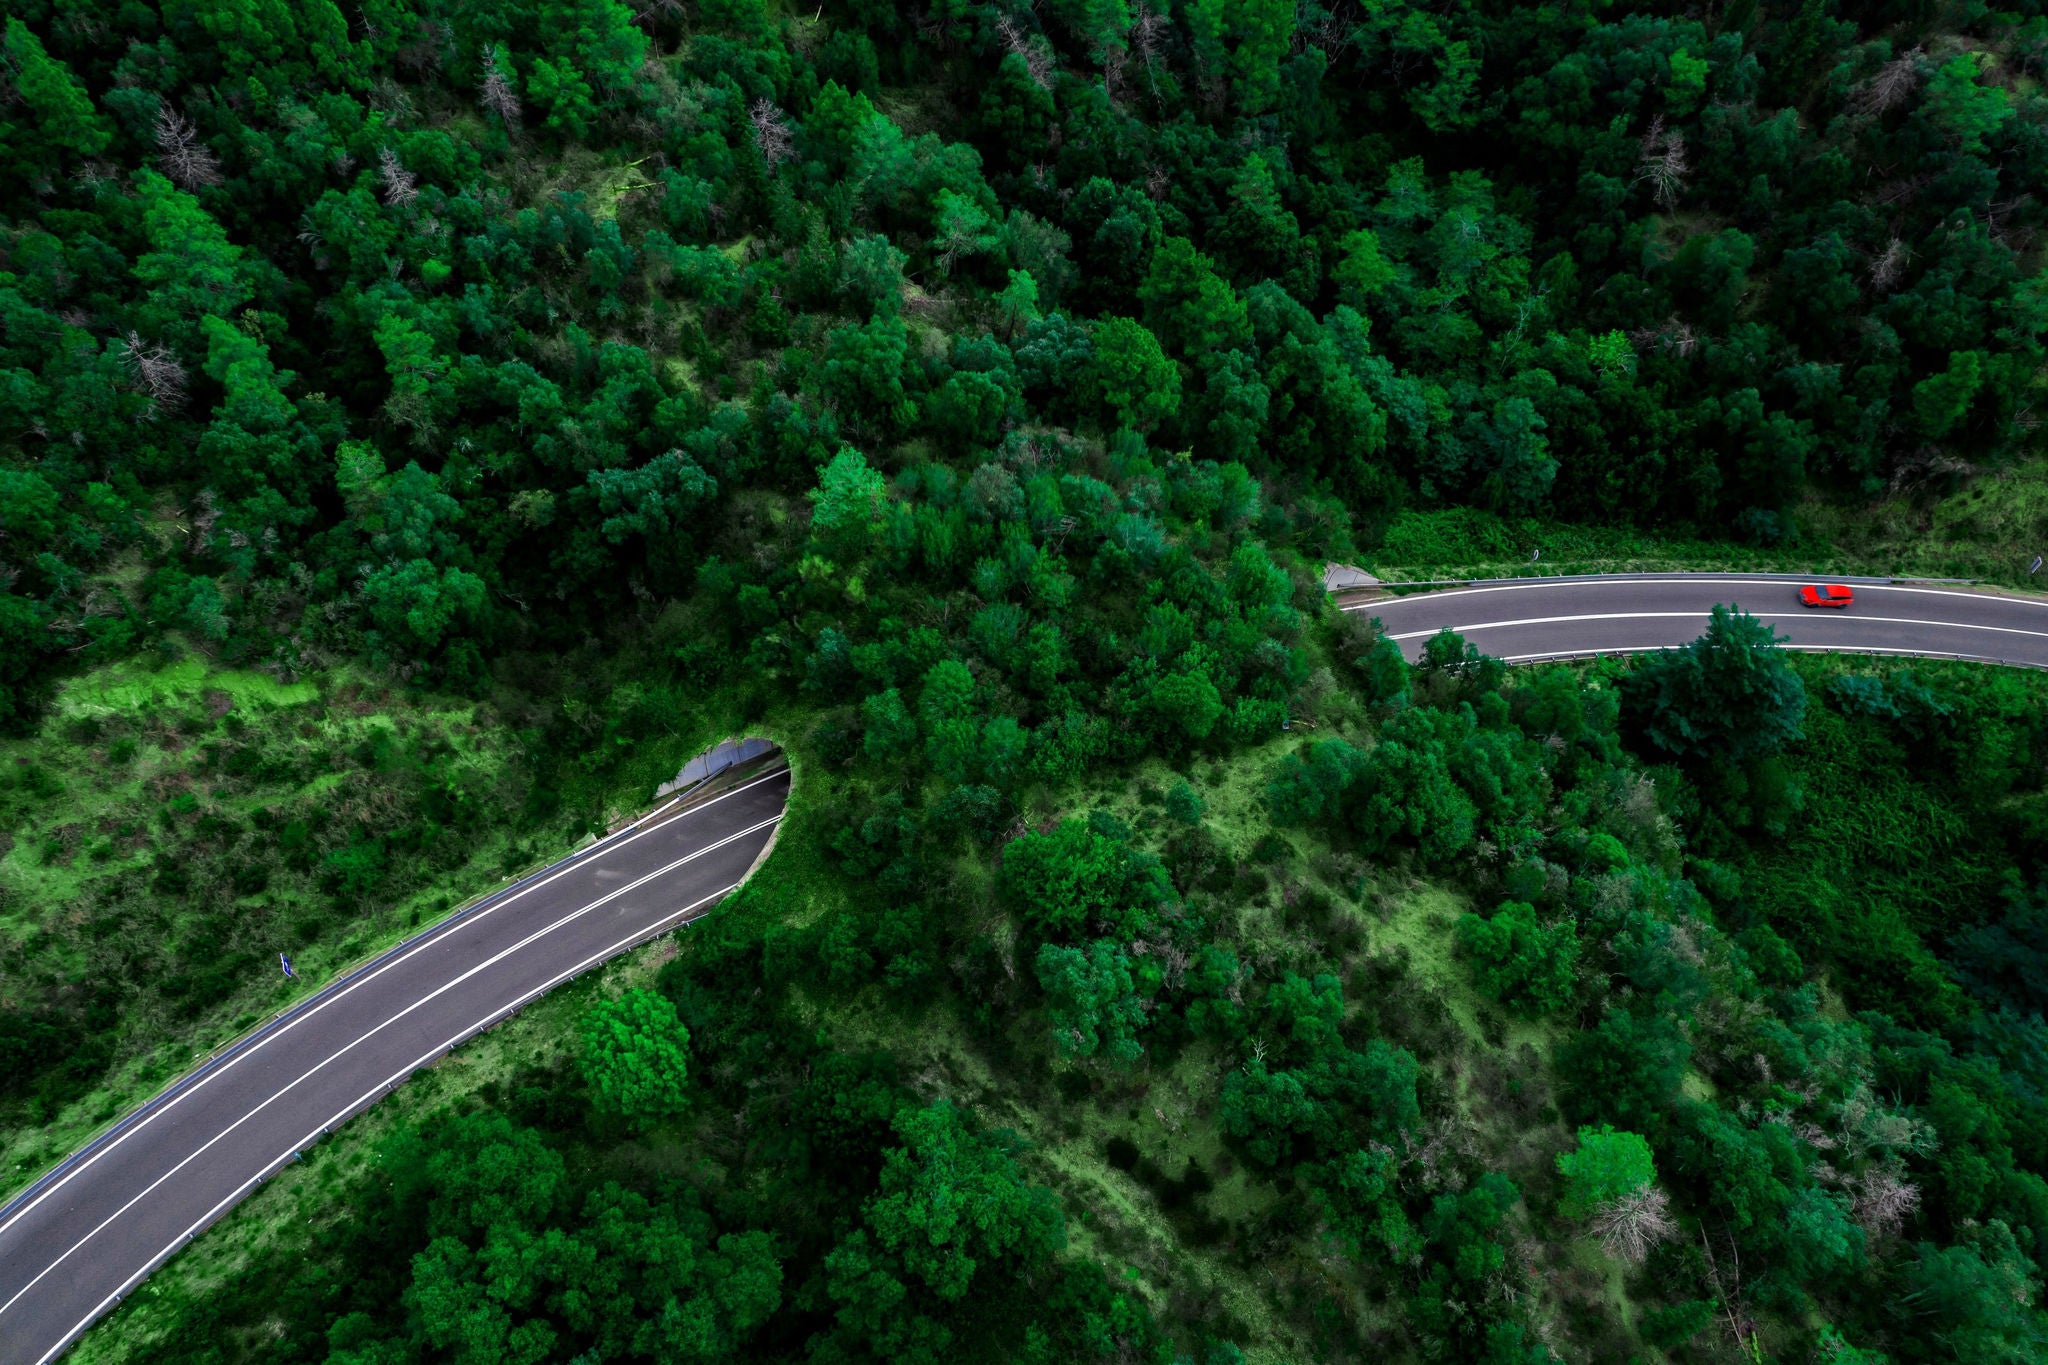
{"x":131,"y":776}
{"x":1989,"y":529}
{"x":1219,"y":1256}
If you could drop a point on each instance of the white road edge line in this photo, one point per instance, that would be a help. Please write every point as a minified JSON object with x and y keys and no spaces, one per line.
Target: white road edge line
{"x":364,"y":1099}
{"x":1698,"y":615}
{"x":1565,"y":655}
{"x":319,"y":1003}
{"x":1611,"y":581}
{"x":324,"y":1062}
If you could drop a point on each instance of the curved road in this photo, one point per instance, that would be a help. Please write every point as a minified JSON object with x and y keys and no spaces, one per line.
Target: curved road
{"x":88,"y":1232}
{"x":1528,"y":619}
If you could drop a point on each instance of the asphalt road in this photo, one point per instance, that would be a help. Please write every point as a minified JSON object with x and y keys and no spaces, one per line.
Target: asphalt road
{"x":1524,"y":620}
{"x":86,"y":1234}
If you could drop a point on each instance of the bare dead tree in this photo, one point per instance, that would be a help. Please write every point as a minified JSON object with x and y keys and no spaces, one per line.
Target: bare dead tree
{"x":1884,"y":1197}
{"x":156,"y":371}
{"x":1890,"y":266}
{"x":771,"y":132}
{"x":1891,"y":85}
{"x":496,"y":93}
{"x":1674,"y":336}
{"x":188,"y":162}
{"x":1146,"y":36}
{"x":1664,"y":163}
{"x":653,"y":10}
{"x":1113,"y":62}
{"x":1629,"y":1226}
{"x":1727,"y":1286}
{"x":401,"y":186}
{"x":1036,"y":56}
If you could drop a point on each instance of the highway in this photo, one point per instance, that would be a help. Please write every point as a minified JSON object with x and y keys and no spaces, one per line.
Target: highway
{"x":1530,"y":619}
{"x":90,"y":1230}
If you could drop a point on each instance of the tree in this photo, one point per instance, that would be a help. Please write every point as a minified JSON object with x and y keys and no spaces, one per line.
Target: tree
{"x":847,"y":504}
{"x":1941,"y":402}
{"x":413,"y":605}
{"x":1017,"y":305}
{"x":1962,"y":108}
{"x":1728,"y":697}
{"x":1606,"y":1165}
{"x":1190,"y":306}
{"x":953,"y":1201}
{"x":1363,"y":272}
{"x":191,"y":268}
{"x":636,"y":1058}
{"x":1065,"y":879}
{"x":1131,"y":376}
{"x":654,"y":501}
{"x":1519,"y":960}
{"x":62,"y":108}
{"x":1972,"y":1302}
{"x":1627,"y":1070}
{"x":890,"y":729}
{"x":1092,"y":1000}
{"x":1188,"y":702}
{"x":1184,"y":803}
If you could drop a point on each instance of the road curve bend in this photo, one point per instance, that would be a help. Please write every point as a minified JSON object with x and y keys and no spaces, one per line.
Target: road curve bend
{"x":1524,"y":620}
{"x":84,"y":1235}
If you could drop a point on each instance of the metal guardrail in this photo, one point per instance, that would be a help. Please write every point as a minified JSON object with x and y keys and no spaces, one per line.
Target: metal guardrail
{"x":222,"y":1053}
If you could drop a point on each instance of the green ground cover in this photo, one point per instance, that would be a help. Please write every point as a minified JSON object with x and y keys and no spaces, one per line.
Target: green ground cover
{"x":173,"y":825}
{"x":1703,"y":907}
{"x":974,"y":390}
{"x":1988,"y":528}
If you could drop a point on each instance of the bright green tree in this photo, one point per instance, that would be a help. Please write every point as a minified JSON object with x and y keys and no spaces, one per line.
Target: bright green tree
{"x":61,"y":106}
{"x":1606,"y":1165}
{"x":1065,"y":879}
{"x":636,"y":1058}
{"x":848,"y":503}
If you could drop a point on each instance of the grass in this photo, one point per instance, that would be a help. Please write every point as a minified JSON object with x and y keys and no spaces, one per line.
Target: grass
{"x":288,"y":1213}
{"x":1135,"y":1154}
{"x":1990,"y":529}
{"x":172,"y":763}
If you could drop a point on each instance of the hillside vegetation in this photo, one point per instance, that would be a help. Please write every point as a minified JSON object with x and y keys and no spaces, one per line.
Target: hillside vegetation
{"x":457,"y":413}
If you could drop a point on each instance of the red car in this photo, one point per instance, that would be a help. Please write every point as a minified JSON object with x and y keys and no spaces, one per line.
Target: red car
{"x":1825,"y":595}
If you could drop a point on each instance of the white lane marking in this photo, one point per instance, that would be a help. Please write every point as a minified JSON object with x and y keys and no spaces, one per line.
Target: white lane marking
{"x":365,"y":1099}
{"x":1620,"y":580}
{"x":1701,"y":615}
{"x":321,"y":1003}
{"x":1564,"y":655}
{"x":445,"y":987}
{"x":450,"y":985}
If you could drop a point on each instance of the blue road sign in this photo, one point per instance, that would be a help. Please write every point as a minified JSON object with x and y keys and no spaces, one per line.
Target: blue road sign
{"x":286,"y":963}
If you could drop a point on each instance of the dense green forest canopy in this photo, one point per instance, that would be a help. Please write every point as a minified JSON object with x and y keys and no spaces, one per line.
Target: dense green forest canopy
{"x":975,"y":387}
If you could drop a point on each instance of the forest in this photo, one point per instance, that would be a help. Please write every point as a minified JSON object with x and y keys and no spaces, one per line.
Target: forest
{"x":423,"y":425}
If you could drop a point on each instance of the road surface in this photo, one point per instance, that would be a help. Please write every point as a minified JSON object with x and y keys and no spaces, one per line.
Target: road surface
{"x":1524,"y":620}
{"x":89,"y":1232}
